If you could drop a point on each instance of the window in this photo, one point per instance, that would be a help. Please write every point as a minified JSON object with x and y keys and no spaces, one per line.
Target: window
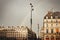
{"x":51,"y":17}
{"x":51,"y":25}
{"x":46,"y":30}
{"x":47,"y":24}
{"x":51,"y":30}
{"x":57,"y":30}
{"x":46,"y":17}
{"x":56,"y":22}
{"x":51,"y":21}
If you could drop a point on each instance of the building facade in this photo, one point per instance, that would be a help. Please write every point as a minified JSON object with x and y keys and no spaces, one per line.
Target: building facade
{"x":51,"y":26}
{"x":19,"y":33}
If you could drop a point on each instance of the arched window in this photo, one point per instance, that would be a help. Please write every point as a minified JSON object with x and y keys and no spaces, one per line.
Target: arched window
{"x":47,"y":37}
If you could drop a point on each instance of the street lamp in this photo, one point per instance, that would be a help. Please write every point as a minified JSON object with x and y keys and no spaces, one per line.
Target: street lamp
{"x":31,"y":15}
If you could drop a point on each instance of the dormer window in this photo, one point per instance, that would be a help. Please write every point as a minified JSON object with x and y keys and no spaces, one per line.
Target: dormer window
{"x":46,"y":17}
{"x":51,"y":17}
{"x":8,"y":26}
{"x":18,"y":27}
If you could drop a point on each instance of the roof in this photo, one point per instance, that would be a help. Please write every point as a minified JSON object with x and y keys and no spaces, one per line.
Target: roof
{"x":53,"y":14}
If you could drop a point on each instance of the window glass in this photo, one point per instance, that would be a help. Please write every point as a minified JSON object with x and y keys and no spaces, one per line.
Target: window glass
{"x":51,"y":30}
{"x":46,"y":30}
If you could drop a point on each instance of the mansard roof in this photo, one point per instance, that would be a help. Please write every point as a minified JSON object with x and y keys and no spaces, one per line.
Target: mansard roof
{"x":53,"y":14}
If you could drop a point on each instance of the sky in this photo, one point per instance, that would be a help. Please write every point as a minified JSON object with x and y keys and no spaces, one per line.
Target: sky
{"x":17,"y":12}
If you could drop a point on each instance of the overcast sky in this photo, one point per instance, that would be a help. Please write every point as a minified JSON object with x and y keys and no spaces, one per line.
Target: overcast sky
{"x":17,"y":12}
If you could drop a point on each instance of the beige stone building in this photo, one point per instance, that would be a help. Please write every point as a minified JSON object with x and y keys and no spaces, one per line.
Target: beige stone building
{"x":18,"y":33}
{"x":51,"y":26}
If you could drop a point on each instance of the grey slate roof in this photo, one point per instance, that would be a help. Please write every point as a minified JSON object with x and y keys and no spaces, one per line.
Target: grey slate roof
{"x":53,"y":14}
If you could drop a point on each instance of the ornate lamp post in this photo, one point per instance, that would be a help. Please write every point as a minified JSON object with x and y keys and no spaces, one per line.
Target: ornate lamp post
{"x":31,"y":15}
